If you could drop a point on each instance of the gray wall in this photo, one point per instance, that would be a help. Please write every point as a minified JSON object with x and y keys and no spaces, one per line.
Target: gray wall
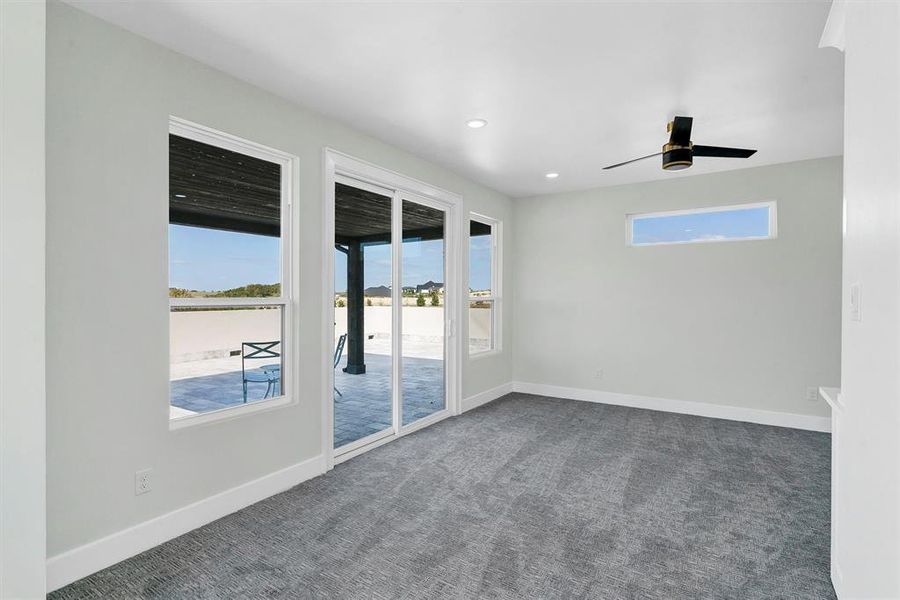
{"x":747,"y":324}
{"x":22,"y":205}
{"x":109,"y":97}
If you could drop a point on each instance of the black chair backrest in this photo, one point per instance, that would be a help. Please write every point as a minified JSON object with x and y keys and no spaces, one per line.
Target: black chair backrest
{"x":339,"y":350}
{"x":259,"y":351}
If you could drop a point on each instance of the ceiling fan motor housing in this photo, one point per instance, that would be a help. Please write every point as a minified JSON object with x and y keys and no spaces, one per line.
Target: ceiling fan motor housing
{"x":676,"y":157}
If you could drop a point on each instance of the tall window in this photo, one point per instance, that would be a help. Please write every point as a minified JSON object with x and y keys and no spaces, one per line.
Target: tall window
{"x":229,"y":275}
{"x":484,"y":285}
{"x":715,"y":224}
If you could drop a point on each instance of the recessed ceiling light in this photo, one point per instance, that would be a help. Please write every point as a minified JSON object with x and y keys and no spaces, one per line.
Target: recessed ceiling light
{"x":551,"y":175}
{"x":476,"y":123}
{"x":180,"y":196}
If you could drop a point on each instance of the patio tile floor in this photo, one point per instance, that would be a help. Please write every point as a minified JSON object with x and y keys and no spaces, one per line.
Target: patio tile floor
{"x":363,"y":409}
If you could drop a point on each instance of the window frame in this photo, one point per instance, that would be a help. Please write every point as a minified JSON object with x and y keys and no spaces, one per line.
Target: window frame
{"x":496,"y":297}
{"x":287,"y":162}
{"x":772,"y":205}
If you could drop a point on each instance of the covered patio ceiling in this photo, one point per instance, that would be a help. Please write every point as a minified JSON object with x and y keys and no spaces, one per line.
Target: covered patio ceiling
{"x":219,"y":189}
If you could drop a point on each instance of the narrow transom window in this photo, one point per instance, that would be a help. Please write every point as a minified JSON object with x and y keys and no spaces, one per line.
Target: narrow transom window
{"x":484,"y":285}
{"x":716,"y":224}
{"x":229,"y":275}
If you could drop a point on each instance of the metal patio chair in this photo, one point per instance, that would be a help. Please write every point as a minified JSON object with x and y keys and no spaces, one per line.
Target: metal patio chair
{"x":338,"y":352}
{"x":269,"y":374}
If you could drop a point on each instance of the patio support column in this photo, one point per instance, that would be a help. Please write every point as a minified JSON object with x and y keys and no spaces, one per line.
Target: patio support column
{"x":356,"y":361}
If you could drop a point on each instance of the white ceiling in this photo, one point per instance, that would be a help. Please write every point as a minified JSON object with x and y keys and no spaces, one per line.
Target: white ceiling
{"x":566,"y":86}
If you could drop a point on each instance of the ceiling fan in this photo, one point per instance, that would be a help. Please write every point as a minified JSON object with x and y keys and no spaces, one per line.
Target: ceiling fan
{"x":679,"y":153}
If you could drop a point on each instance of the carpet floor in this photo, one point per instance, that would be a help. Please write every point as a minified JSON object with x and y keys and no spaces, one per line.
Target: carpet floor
{"x":526,"y":497}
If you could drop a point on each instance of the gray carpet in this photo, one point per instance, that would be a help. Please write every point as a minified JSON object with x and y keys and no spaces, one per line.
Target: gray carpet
{"x":527,"y":497}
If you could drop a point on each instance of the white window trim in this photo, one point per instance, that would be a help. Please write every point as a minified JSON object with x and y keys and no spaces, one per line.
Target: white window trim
{"x":207,"y":135}
{"x":773,"y":223}
{"x":496,"y":287}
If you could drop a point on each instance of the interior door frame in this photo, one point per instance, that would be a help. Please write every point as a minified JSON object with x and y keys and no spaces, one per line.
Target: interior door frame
{"x":337,"y":165}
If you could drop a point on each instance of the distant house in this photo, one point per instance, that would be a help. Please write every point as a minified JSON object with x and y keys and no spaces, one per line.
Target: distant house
{"x":379,"y":291}
{"x":429,"y":286}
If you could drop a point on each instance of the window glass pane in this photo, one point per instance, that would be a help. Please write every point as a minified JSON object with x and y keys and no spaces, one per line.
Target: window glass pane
{"x":224,"y":222}
{"x":480,"y":254}
{"x":223,"y":357}
{"x":363,"y":340}
{"x":702,"y":226}
{"x":481,"y":326}
{"x":222,"y":264}
{"x":422,"y":367}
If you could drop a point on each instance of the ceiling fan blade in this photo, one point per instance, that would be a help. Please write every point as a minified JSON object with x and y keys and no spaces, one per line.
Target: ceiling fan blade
{"x":723,"y":152}
{"x":681,"y":131}
{"x":628,"y":162}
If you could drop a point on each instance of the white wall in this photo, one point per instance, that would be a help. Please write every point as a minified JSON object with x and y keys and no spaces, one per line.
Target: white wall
{"x":748,"y":324}
{"x":198,"y":335}
{"x":866,"y":505}
{"x":22,"y":408}
{"x":110,"y":94}
{"x":204,"y":334}
{"x":418,"y":321}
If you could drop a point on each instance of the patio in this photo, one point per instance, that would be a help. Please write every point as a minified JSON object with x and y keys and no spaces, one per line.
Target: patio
{"x":363,"y":408}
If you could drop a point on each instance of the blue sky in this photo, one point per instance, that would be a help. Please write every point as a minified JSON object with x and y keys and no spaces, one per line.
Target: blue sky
{"x":212,"y":260}
{"x":738,"y":223}
{"x":422,"y":261}
{"x":480,"y":262}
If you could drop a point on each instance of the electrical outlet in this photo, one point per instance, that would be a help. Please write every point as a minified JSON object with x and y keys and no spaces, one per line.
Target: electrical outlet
{"x":598,"y":374}
{"x":812,"y":394}
{"x":142,"y":481}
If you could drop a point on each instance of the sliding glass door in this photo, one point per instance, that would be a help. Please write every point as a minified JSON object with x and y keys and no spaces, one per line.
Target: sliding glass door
{"x":390,"y":343}
{"x":363,"y":329}
{"x":423,"y":319}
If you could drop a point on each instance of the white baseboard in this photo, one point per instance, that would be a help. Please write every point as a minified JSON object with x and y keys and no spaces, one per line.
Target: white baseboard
{"x":486,"y":396}
{"x":74,"y":564}
{"x":700,"y":409}
{"x":837,"y":579}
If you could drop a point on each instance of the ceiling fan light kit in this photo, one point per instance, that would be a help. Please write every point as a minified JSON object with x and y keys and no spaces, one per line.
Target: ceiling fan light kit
{"x":678,"y":154}
{"x":676,"y":158}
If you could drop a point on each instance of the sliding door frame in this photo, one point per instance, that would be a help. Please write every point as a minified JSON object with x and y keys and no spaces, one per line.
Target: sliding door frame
{"x":339,"y":166}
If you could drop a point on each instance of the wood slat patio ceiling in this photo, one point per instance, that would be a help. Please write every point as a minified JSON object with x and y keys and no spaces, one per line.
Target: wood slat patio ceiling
{"x":364,"y":216}
{"x":220,"y":189}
